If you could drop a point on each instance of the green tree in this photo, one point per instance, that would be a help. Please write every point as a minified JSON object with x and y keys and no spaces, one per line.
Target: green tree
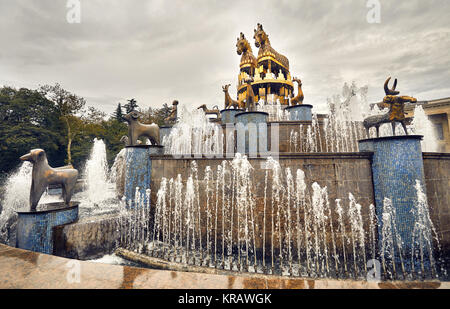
{"x":156,"y":115}
{"x":67,"y":106}
{"x":118,"y":115}
{"x":27,"y":120}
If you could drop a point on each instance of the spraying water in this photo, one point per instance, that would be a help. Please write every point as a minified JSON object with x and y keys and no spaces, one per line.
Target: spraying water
{"x":17,"y":196}
{"x":422,"y":125}
{"x":98,"y":186}
{"x":194,"y":134}
{"x":216,"y":221}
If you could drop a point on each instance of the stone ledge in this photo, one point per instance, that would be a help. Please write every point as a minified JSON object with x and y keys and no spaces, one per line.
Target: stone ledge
{"x":28,"y":270}
{"x":281,"y":155}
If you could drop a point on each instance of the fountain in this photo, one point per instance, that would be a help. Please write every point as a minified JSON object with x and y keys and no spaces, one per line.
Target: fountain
{"x":16,"y":199}
{"x":96,"y":175}
{"x":331,"y":201}
{"x":277,"y":217}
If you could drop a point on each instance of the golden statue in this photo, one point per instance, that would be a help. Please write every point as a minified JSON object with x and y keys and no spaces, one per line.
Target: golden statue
{"x":298,"y":99}
{"x":250,"y":100}
{"x":214,"y":111}
{"x":248,"y":59}
{"x":172,"y":118}
{"x":265,"y":78}
{"x":229,"y":102}
{"x":265,"y":49}
{"x":396,"y":112}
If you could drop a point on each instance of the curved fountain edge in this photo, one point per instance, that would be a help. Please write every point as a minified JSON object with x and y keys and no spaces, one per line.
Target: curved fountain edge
{"x":49,"y":272}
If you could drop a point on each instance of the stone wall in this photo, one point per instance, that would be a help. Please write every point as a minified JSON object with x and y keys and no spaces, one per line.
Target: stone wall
{"x":87,"y":239}
{"x":341,"y":173}
{"x":437,"y":179}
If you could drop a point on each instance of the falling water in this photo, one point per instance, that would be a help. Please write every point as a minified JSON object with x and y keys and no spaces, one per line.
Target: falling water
{"x":274,"y":108}
{"x":216,"y":221}
{"x":422,"y":125}
{"x":194,"y":134}
{"x":422,"y":255}
{"x":391,"y":244}
{"x":16,"y":198}
{"x":117,"y":174}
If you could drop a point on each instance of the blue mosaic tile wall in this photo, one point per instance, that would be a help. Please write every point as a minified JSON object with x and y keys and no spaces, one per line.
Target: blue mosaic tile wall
{"x":302,"y":112}
{"x":254,"y":140}
{"x":138,"y":167}
{"x":35,"y":229}
{"x":397,"y":163}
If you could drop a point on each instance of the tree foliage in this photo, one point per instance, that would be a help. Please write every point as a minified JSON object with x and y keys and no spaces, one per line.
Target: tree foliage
{"x":51,"y":116}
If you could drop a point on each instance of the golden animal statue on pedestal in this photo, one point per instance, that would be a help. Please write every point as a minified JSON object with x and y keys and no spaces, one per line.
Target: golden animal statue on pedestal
{"x":298,"y":99}
{"x":250,"y":103}
{"x":172,"y":118}
{"x":229,"y":102}
{"x":264,"y":79}
{"x":396,"y":112}
{"x":214,"y":111}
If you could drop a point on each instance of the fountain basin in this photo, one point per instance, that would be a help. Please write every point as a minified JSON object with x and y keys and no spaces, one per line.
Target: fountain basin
{"x":35,"y":229}
{"x":228,"y":115}
{"x":252,"y":134}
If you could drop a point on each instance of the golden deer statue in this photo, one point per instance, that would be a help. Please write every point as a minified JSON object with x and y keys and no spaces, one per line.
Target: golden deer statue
{"x":229,"y":102}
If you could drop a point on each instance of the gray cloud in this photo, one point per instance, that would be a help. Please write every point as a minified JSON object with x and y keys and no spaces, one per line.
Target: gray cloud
{"x":156,"y":51}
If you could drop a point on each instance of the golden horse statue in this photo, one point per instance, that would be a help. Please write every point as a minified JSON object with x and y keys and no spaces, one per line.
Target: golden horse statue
{"x":244,"y":48}
{"x":263,"y":43}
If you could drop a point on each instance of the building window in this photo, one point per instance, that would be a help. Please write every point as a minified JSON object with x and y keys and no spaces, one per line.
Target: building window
{"x":439,"y":131}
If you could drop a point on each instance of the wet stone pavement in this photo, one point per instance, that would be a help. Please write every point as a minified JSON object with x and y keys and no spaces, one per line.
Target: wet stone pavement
{"x":30,"y":270}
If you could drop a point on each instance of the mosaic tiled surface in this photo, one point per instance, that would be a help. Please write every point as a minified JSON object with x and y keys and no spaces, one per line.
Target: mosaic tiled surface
{"x":397,"y":163}
{"x":35,"y":230}
{"x":138,"y":167}
{"x":301,"y":112}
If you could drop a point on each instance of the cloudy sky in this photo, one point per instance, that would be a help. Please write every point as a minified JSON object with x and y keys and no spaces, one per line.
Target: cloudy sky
{"x":159,"y":50}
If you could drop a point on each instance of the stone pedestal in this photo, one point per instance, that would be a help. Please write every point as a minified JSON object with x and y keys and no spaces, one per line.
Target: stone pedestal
{"x":35,"y":229}
{"x":138,"y":168}
{"x":155,"y":150}
{"x":228,"y":115}
{"x":396,"y":165}
{"x":251,"y":132}
{"x":302,"y":112}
